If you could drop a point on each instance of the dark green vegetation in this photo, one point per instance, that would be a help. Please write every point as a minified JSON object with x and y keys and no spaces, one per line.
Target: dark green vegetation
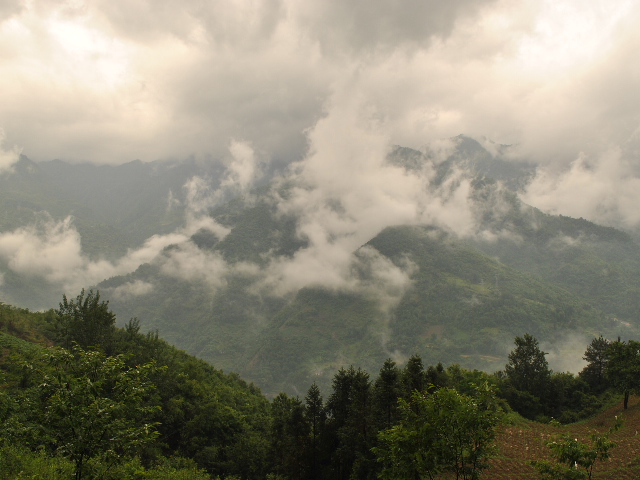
{"x":135,"y":406}
{"x":122,"y":404}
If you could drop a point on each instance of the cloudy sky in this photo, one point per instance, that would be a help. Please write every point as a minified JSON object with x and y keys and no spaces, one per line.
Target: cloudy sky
{"x":330,"y":84}
{"x":111,"y":81}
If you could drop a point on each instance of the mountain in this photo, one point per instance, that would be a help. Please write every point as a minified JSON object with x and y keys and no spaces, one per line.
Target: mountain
{"x":455,"y":296}
{"x":112,"y":208}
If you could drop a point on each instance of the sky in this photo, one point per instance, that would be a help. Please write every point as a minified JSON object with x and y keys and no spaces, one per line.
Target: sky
{"x":325,"y":86}
{"x":113,"y":81}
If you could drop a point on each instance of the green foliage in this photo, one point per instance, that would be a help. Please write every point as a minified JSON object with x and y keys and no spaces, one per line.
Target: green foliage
{"x":85,"y":321}
{"x":316,"y":417}
{"x":386,"y":390}
{"x":350,"y":426}
{"x":20,"y":463}
{"x":85,"y":405}
{"x":290,"y":438}
{"x":528,"y":369}
{"x":225,"y":428}
{"x":572,"y":459}
{"x":537,"y":393}
{"x":215,"y":419}
{"x":441,"y":432}
{"x":413,"y":377}
{"x":623,"y":367}
{"x":595,"y":372}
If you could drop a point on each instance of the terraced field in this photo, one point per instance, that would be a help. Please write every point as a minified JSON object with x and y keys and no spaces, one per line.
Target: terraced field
{"x":520,"y":444}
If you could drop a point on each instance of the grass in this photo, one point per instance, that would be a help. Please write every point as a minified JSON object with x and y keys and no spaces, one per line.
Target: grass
{"x":522,"y":441}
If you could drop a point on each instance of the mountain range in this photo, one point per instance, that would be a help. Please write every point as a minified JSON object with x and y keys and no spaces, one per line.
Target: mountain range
{"x":232,"y":276}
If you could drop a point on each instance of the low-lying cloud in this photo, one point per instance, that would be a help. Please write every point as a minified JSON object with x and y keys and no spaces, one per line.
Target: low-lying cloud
{"x":8,"y":156}
{"x":604,"y":189}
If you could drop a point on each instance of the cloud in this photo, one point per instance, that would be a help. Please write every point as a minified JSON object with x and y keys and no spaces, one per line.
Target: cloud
{"x":604,"y":189}
{"x":9,"y":8}
{"x":52,"y":249}
{"x":326,"y":87}
{"x":565,"y":354}
{"x":243,"y":171}
{"x":361,"y":28}
{"x":7,"y":157}
{"x":188,"y":262}
{"x":345,"y":192}
{"x":48,"y":249}
{"x":99,"y":82}
{"x":131,"y":289}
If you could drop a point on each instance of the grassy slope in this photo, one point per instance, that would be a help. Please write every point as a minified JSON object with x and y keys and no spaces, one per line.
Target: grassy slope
{"x":519,"y":444}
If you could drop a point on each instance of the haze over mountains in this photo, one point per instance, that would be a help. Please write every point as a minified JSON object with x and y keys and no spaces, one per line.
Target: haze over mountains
{"x":284,"y":276}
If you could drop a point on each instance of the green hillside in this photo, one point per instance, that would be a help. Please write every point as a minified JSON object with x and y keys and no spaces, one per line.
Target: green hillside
{"x":174,"y":416}
{"x":202,"y":417}
{"x":463,"y":307}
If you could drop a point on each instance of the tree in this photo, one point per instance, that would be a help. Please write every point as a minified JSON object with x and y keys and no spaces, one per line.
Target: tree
{"x":350,"y":424}
{"x":289,"y":437}
{"x":595,"y":372}
{"x":441,"y":432}
{"x":316,"y":418}
{"x":623,"y":367}
{"x":386,"y":391}
{"x":413,"y":376}
{"x":86,"y":321}
{"x":528,"y":369}
{"x":436,"y":376}
{"x":92,"y":406}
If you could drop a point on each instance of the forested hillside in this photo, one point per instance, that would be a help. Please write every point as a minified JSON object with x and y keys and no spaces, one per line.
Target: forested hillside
{"x":81,"y":397}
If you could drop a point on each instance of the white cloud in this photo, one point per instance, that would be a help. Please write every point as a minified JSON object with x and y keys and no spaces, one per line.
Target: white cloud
{"x":48,"y":249}
{"x":188,"y":262}
{"x":131,"y":289}
{"x":243,"y":170}
{"x":604,"y":189}
{"x":345,"y":192}
{"x":52,"y":250}
{"x":7,"y":157}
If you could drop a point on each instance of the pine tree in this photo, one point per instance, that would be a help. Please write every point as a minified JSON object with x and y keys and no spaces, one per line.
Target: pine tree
{"x":413,"y":377}
{"x":350,"y":424}
{"x":595,"y":373}
{"x":316,"y":418}
{"x":528,"y":369}
{"x":386,"y":391}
